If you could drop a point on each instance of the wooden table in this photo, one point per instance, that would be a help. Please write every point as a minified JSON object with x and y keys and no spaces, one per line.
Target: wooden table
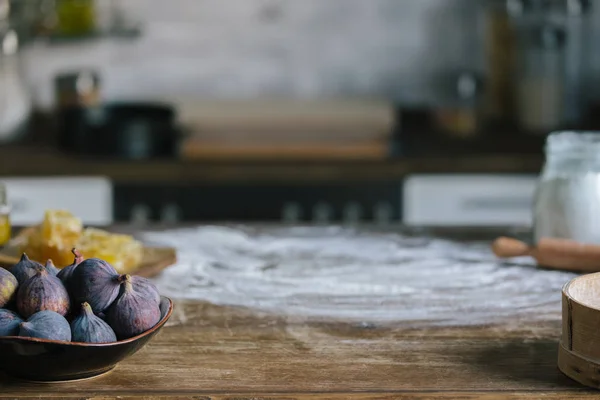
{"x":213,"y":352}
{"x":229,"y":353}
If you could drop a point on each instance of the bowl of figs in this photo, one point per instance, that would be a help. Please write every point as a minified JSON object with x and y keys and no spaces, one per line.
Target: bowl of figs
{"x":75,"y":323}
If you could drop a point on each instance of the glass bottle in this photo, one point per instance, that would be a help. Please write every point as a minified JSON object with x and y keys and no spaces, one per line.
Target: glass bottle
{"x":500,"y":51}
{"x":15,"y":99}
{"x":459,"y":115}
{"x":541,"y":79}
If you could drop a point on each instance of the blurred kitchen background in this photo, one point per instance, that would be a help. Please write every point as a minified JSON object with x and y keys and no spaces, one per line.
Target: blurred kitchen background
{"x":421,"y":112}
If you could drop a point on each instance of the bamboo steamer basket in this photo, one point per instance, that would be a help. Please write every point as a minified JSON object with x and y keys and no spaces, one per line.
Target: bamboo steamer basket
{"x":579,"y":348}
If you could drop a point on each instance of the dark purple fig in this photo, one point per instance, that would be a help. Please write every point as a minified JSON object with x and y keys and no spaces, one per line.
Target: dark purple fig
{"x":46,"y":325}
{"x":89,"y":328}
{"x":8,"y":287}
{"x":132,"y":314}
{"x":144,"y":287}
{"x":95,"y":282}
{"x":66,"y":273}
{"x":42,"y":292}
{"x":9,"y":323}
{"x":51,"y":268}
{"x":25,"y":269}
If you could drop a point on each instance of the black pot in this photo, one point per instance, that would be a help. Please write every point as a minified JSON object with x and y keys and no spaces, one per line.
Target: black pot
{"x":119,"y":130}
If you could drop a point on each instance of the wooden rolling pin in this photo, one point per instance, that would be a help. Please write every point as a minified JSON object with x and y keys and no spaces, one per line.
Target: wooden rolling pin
{"x":563,"y":254}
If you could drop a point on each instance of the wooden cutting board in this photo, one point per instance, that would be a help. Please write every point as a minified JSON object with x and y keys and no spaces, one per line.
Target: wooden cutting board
{"x":286,"y":115}
{"x":154,"y":259}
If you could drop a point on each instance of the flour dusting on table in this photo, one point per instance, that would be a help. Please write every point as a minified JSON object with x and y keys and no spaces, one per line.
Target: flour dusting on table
{"x":343,"y":273}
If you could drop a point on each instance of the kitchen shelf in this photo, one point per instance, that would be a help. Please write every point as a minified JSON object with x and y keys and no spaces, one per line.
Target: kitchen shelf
{"x":42,"y":161}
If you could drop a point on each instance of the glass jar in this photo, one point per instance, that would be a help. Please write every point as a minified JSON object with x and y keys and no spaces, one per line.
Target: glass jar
{"x":567,"y":199}
{"x":541,"y":79}
{"x":5,"y":225}
{"x":459,"y":113}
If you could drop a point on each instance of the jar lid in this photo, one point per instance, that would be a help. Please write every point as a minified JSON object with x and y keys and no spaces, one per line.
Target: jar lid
{"x":459,"y":86}
{"x":467,"y":85}
{"x":510,"y":7}
{"x":9,"y":43}
{"x":5,"y":209}
{"x":577,"y":142}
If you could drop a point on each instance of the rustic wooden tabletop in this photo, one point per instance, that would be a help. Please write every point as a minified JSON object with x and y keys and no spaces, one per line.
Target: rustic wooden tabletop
{"x":211,"y":352}
{"x":216,"y":352}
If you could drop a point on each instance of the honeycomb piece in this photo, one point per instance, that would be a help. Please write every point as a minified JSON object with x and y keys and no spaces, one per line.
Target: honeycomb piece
{"x":121,"y":251}
{"x":54,"y":238}
{"x":33,"y":245}
{"x":60,"y":228}
{"x":40,"y":250}
{"x":60,"y":231}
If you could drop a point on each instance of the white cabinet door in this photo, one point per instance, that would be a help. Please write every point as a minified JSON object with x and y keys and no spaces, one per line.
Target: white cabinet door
{"x":89,"y":198}
{"x":468,"y":200}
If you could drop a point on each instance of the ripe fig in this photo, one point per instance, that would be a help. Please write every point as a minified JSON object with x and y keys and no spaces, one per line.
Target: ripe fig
{"x":51,"y":268}
{"x":89,"y":328}
{"x":25,"y":269}
{"x":9,"y":323}
{"x":8,"y":287}
{"x":46,"y":325}
{"x":95,"y":282}
{"x":66,"y":273}
{"x":132,"y":314}
{"x":144,"y":287}
{"x":42,"y":292}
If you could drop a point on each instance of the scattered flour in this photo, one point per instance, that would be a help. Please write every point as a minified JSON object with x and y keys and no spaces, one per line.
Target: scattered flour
{"x":343,"y":273}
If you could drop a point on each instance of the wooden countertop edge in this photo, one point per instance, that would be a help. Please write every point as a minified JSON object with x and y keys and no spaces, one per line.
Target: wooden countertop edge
{"x":367,"y":395}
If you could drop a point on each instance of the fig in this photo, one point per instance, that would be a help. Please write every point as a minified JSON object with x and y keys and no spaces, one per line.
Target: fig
{"x":25,"y":269}
{"x":8,"y":287}
{"x":46,"y":325}
{"x":95,"y":282}
{"x":42,"y":292}
{"x":132,"y":314}
{"x":9,"y":323}
{"x":51,"y":268}
{"x":144,"y":287}
{"x":89,"y":328}
{"x":66,"y":273}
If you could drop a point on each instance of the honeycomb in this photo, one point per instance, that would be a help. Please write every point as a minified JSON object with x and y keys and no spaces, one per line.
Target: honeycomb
{"x":121,"y":251}
{"x":60,"y":231}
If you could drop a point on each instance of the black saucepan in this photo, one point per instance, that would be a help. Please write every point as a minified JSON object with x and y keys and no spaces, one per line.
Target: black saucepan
{"x":119,"y":130}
